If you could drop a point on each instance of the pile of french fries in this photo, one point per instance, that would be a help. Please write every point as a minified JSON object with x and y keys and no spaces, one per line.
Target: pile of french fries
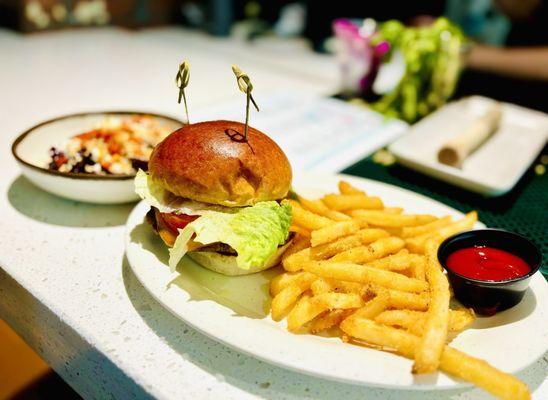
{"x":370,"y":273}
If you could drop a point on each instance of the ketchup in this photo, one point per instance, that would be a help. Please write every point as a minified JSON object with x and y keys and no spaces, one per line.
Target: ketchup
{"x":487,"y":264}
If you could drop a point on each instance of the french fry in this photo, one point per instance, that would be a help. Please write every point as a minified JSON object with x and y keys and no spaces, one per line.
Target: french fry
{"x":328,"y":250}
{"x":411,"y":231}
{"x":282,"y":302}
{"x":344,"y":202}
{"x":347,"y":188}
{"x":284,"y":299}
{"x":392,"y":210}
{"x":414,"y":321}
{"x":406,"y":271}
{"x":339,"y":286}
{"x":305,"y":218}
{"x":301,"y":310}
{"x":411,"y":301}
{"x":418,"y":267}
{"x":333,"y":232}
{"x":362,"y":224}
{"x":371,"y":235}
{"x":391,"y":231}
{"x":321,"y":285}
{"x":452,"y":361}
{"x":310,"y":307}
{"x":328,"y":319}
{"x":280,"y":282}
{"x":428,"y":355}
{"x":294,"y":262}
{"x":458,"y":321}
{"x":373,"y":307}
{"x":363,"y":236}
{"x":318,"y":207}
{"x":483,"y":375}
{"x":383,"y":219}
{"x":461,"y":319}
{"x":385,"y":210}
{"x":416,"y":244}
{"x":403,"y":300}
{"x":373,"y":272}
{"x":325,"y":285}
{"x":396,"y":262}
{"x":300,"y":230}
{"x":466,"y":223}
{"x":363,"y":274}
{"x":401,"y":318}
{"x":379,"y":335}
{"x":299,"y":243}
{"x":378,"y":249}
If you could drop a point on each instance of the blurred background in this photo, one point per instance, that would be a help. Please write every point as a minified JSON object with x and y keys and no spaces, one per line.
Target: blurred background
{"x":505,"y":61}
{"x":404,"y":59}
{"x":503,"y":51}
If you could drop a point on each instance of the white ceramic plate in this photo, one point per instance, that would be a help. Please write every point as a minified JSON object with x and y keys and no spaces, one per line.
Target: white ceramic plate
{"x":496,"y":166}
{"x":233,"y":310}
{"x":31,"y":150}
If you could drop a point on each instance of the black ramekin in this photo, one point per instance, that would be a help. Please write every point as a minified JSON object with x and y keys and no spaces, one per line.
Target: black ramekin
{"x":490,"y":297}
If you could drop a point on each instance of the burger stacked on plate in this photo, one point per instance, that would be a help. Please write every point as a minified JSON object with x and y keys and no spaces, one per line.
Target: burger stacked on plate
{"x":215,"y":196}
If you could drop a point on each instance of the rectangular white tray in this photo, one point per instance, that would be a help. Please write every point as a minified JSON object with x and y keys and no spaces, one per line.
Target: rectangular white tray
{"x":496,"y":166}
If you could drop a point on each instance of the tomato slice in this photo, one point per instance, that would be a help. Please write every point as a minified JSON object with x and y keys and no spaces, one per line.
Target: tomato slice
{"x":177,"y":221}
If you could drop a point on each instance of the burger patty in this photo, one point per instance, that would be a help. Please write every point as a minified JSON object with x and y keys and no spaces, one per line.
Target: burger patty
{"x":226,"y":250}
{"x":151,"y":219}
{"x":221,"y":248}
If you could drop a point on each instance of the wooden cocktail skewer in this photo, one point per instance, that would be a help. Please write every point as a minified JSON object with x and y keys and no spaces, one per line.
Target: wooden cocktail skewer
{"x":182,"y":78}
{"x":245,"y":86}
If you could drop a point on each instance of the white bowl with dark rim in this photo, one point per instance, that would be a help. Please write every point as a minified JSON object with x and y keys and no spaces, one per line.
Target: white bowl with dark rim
{"x":31,"y":150}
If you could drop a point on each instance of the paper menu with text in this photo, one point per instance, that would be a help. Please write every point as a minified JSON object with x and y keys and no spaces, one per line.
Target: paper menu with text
{"x":316,"y":133}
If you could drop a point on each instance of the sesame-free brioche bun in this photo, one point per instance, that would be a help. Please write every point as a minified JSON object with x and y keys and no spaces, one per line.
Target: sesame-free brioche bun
{"x":227,"y":264}
{"x":209,"y":162}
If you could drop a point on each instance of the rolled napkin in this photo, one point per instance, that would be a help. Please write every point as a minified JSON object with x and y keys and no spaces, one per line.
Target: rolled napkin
{"x":455,"y":151}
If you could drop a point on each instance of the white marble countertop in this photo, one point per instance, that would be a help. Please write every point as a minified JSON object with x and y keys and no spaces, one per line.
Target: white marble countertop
{"x":65,"y":285}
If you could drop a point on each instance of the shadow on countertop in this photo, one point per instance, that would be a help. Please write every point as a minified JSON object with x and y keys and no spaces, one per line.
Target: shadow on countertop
{"x":48,"y":387}
{"x":247,"y":295}
{"x":42,"y":206}
{"x":262,"y":379}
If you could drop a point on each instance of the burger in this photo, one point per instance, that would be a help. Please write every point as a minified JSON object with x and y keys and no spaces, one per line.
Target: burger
{"x":215,"y":195}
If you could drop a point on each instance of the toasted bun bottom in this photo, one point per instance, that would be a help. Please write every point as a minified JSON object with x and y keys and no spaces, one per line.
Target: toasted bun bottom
{"x":226,"y":265}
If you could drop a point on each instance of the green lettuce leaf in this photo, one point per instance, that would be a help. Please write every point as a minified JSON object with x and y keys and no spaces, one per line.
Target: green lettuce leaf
{"x":152,"y":193}
{"x":254,"y":232}
{"x":156,"y":196}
